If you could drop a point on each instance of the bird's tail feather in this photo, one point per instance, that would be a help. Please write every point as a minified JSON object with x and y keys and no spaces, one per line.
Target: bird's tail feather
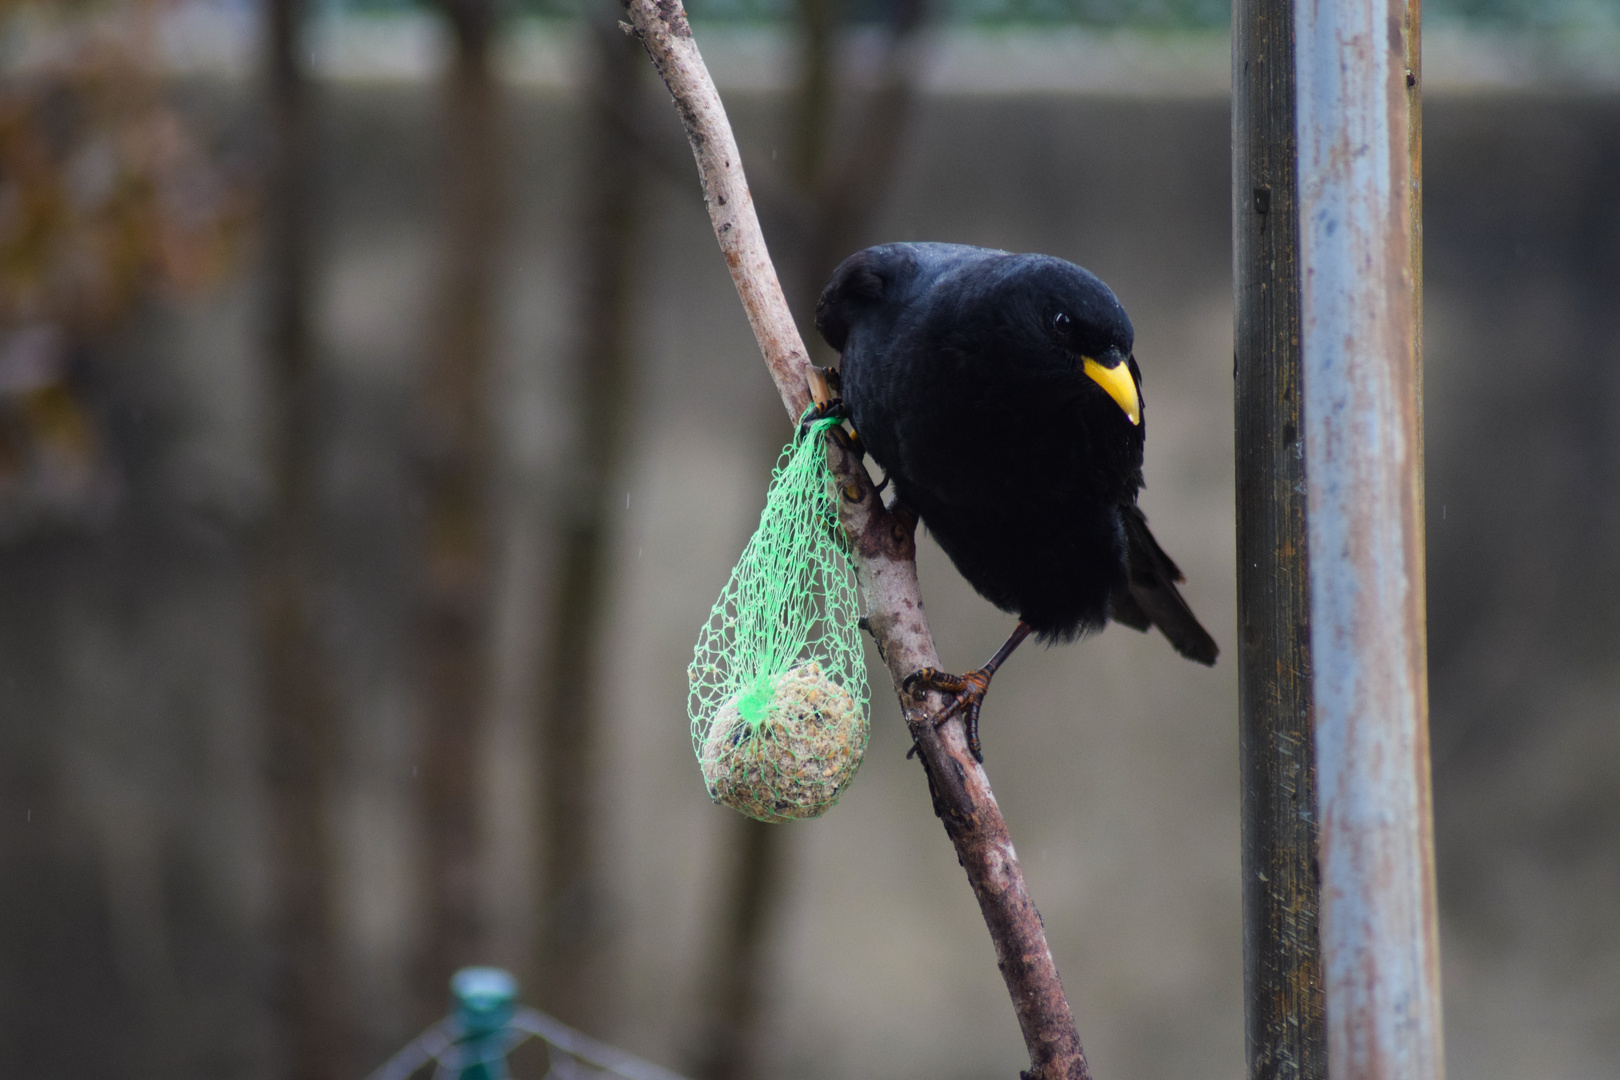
{"x":1151,"y":597}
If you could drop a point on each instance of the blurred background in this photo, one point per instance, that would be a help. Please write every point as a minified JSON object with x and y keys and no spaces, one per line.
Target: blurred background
{"x":378,"y":423}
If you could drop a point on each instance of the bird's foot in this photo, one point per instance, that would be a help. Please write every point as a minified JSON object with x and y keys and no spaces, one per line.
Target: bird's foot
{"x":967,"y":696}
{"x":835,"y":409}
{"x":967,"y":691}
{"x":821,"y":410}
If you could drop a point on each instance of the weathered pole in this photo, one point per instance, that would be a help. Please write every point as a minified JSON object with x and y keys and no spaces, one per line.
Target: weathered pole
{"x":1285,"y":1035}
{"x":1363,"y":469}
{"x":1341,"y":956}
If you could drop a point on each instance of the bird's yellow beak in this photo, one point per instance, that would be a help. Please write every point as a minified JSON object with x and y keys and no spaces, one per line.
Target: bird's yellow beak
{"x":1119,"y":384}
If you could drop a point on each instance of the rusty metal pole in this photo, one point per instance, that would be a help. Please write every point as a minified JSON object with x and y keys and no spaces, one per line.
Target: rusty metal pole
{"x":1363,"y":467}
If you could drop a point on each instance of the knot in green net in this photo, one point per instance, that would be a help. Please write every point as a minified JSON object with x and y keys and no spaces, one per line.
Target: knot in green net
{"x":778,"y":700}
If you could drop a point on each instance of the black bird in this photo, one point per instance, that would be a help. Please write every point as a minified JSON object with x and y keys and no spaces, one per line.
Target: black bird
{"x":998,"y":392}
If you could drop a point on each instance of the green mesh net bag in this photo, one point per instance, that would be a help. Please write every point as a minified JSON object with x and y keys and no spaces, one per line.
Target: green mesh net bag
{"x":778,"y":700}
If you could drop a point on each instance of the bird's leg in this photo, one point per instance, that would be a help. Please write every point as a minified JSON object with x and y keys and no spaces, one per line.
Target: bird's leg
{"x":967,"y":690}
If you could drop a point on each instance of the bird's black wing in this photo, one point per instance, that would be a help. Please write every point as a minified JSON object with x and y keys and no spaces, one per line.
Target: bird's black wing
{"x":1151,"y":596}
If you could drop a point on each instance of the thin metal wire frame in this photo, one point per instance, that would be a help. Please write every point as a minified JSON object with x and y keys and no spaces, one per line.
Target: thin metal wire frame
{"x":584,"y":1056}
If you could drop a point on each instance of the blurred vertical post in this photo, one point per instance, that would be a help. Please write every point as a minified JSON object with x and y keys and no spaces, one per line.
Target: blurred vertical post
{"x":842,"y":178}
{"x":301,"y":737}
{"x":1324,"y":211}
{"x":457,"y":459}
{"x":1286,"y":1037}
{"x":573,"y":979}
{"x":736,"y":965}
{"x":819,"y":22}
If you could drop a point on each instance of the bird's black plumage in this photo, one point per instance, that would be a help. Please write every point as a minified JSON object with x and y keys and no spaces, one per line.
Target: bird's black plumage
{"x":979,"y":381}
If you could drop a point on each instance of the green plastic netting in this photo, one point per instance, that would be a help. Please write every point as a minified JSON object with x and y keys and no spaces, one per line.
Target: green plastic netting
{"x":778,"y":701}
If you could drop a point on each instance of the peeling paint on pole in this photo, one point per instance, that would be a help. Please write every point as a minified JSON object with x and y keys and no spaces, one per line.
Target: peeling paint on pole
{"x":1379,"y":942}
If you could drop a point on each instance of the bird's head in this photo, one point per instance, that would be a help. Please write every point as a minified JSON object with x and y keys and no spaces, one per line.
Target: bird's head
{"x":1078,"y":323}
{"x":1041,"y":313}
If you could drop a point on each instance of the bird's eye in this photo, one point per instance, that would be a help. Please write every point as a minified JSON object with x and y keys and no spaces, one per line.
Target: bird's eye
{"x":1061,"y":323}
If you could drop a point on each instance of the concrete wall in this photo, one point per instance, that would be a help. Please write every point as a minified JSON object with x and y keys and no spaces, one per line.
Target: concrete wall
{"x":132,"y":829}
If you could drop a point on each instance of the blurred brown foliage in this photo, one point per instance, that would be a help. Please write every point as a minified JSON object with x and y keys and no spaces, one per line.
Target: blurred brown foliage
{"x":108,"y":197}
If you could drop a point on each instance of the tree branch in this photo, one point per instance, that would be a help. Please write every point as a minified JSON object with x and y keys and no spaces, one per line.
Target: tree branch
{"x":884,"y":548}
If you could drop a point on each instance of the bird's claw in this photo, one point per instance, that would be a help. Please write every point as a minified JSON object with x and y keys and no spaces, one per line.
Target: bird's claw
{"x":835,"y":408}
{"x":821,"y":410}
{"x":967,"y":696}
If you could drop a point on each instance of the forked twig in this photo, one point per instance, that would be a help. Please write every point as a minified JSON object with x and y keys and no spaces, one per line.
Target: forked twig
{"x":884,"y":548}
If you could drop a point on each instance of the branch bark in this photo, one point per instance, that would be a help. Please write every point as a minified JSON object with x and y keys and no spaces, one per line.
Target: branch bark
{"x":884,"y":548}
